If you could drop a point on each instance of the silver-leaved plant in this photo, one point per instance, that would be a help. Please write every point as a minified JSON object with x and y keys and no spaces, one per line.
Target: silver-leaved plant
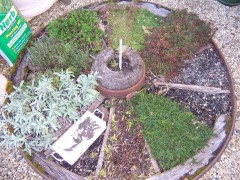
{"x":35,"y":109}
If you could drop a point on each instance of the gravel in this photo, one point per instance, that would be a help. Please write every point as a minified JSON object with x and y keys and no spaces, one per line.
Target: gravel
{"x":226,"y":21}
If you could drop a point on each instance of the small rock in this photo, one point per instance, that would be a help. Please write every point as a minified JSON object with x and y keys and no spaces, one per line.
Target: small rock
{"x":101,"y":26}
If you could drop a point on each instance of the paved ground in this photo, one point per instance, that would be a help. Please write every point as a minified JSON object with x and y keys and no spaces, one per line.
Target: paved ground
{"x":227,"y":37}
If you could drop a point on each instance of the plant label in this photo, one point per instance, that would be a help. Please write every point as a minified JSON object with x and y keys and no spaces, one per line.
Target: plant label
{"x":78,"y":138}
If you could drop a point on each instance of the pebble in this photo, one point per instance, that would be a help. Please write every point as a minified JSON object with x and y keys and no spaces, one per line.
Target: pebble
{"x":226,"y":22}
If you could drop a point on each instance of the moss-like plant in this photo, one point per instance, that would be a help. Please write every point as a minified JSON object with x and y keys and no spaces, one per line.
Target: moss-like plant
{"x":39,"y":167}
{"x":80,"y":28}
{"x":51,"y":53}
{"x":178,"y":38}
{"x":34,"y":110}
{"x":9,"y":87}
{"x":174,"y":134}
{"x":130,"y":24}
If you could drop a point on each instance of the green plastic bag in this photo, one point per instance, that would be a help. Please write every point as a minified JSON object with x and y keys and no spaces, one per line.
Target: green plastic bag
{"x":14,"y":32}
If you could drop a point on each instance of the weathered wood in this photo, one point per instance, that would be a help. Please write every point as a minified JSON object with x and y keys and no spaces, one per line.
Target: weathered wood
{"x":96,"y":103}
{"x":101,"y":156}
{"x":55,"y":171}
{"x":155,"y":9}
{"x":203,"y":156}
{"x":203,"y":89}
{"x":204,"y":48}
{"x":66,"y":2}
{"x":153,"y":161}
{"x":19,"y":72}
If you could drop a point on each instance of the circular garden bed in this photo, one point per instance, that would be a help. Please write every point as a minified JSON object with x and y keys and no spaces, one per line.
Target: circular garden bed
{"x":176,"y":125}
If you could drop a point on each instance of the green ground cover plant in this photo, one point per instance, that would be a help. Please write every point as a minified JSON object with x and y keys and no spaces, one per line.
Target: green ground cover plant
{"x":173,"y":133}
{"x":80,"y":28}
{"x":178,"y":38}
{"x":35,"y":109}
{"x":132,"y":25}
{"x":51,"y":53}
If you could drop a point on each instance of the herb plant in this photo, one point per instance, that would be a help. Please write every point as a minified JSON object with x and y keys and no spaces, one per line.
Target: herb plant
{"x":79,"y":28}
{"x":51,"y":53}
{"x":35,"y":110}
{"x":174,"y":134}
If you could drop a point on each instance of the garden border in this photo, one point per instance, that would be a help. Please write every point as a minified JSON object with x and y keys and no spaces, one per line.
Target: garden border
{"x":233,"y":114}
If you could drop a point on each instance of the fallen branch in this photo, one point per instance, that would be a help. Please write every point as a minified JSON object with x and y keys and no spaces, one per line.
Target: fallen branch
{"x":204,"y":89}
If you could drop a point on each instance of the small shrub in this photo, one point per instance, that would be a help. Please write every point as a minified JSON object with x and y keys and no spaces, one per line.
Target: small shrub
{"x":173,"y":133}
{"x":79,"y":28}
{"x":51,"y":53}
{"x":180,"y":36}
{"x":131,"y":24}
{"x":35,"y":109}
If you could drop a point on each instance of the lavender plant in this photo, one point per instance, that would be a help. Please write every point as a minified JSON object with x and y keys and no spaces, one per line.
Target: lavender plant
{"x":34,"y":110}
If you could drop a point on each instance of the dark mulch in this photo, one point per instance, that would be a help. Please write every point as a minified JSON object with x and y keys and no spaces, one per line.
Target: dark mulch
{"x":114,"y":64}
{"x":86,"y":164}
{"x":205,"y":69}
{"x":129,"y":158}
